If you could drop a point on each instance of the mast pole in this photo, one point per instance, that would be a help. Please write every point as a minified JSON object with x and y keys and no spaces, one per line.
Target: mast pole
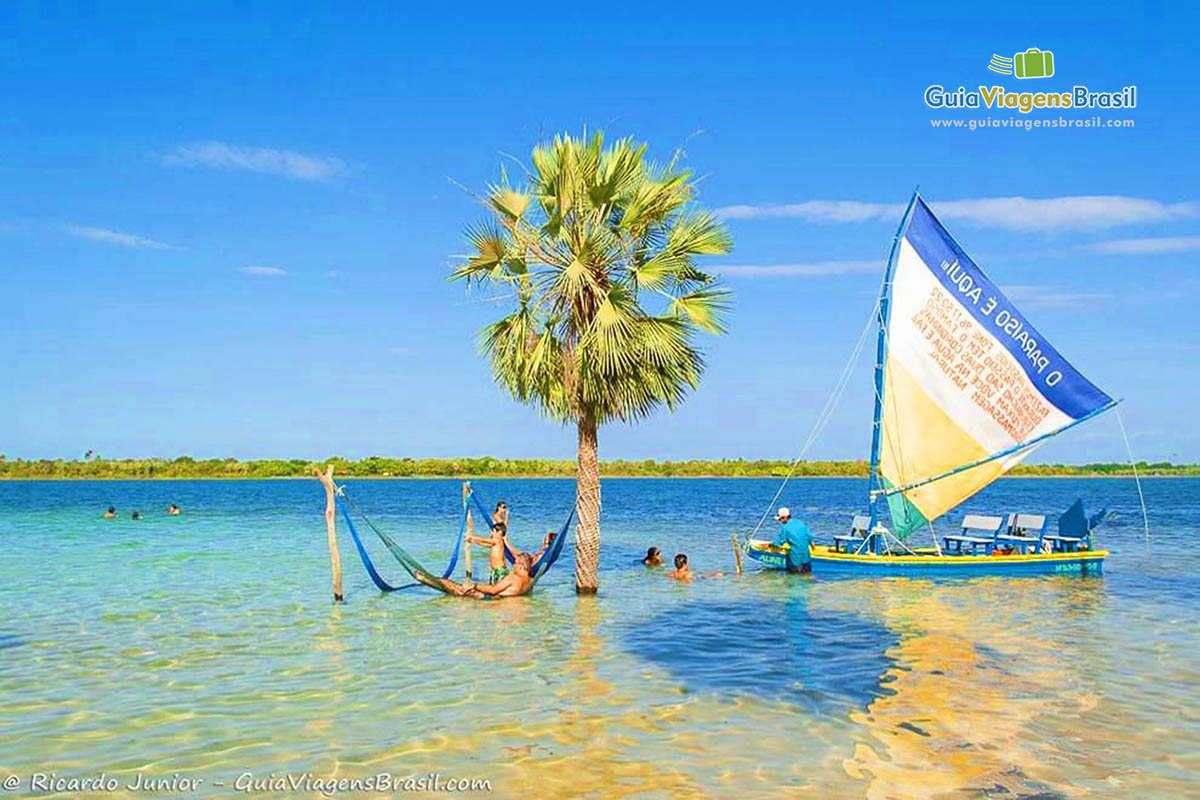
{"x":885,"y":298}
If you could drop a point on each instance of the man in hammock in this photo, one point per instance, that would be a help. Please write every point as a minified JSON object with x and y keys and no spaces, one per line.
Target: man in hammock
{"x":514,"y":584}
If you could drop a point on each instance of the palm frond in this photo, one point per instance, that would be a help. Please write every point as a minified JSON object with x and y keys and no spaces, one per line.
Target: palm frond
{"x":597,"y":225}
{"x":705,"y":308}
{"x":699,"y":233}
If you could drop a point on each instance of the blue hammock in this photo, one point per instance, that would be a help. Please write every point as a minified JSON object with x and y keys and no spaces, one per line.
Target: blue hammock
{"x":414,"y":567}
{"x":408,"y":562}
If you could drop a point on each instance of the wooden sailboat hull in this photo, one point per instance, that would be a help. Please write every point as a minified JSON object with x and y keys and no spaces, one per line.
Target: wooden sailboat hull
{"x":927,"y":563}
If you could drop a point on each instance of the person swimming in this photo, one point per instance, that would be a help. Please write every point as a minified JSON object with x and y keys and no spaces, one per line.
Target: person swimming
{"x":682,"y":572}
{"x":653,"y":557}
{"x":136,"y":515}
{"x":173,"y":510}
{"x":514,"y":584}
{"x":111,"y":513}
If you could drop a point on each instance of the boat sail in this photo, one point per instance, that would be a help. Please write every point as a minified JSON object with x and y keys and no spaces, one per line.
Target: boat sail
{"x":966,"y":387}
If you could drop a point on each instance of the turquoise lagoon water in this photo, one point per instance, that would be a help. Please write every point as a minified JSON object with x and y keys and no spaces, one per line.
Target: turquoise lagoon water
{"x":206,"y":646}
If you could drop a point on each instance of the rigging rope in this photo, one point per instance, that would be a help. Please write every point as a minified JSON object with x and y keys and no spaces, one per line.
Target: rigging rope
{"x":1136,"y":479}
{"x":839,"y":388}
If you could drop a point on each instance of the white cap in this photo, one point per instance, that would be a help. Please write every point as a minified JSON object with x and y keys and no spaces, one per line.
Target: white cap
{"x":783,"y":511}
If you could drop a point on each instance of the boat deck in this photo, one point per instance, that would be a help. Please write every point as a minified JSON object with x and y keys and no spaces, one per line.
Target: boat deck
{"x":926,"y":562}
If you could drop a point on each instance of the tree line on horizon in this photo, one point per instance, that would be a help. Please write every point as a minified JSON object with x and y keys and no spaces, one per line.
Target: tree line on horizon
{"x":379,"y":467}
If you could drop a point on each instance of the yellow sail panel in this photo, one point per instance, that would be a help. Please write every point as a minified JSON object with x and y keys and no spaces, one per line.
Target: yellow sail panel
{"x":924,"y":441}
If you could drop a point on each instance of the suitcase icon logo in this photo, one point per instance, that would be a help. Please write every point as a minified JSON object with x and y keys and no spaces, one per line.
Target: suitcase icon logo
{"x":1033,"y":63}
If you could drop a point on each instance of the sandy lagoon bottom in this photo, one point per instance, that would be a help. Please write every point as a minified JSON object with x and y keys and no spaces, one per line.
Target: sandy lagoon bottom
{"x":204,"y":649}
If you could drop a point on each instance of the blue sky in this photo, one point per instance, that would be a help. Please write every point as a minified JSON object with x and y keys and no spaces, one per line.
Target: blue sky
{"x":225,"y":231}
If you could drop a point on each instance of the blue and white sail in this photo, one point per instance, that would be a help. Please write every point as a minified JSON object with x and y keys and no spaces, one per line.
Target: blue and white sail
{"x":967,"y":386}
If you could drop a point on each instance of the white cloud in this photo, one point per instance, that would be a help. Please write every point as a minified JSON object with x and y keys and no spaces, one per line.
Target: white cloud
{"x":1034,"y":296}
{"x":1147,"y":246}
{"x":809,"y":270}
{"x":263,"y":272}
{"x":1064,"y":213}
{"x":1080,"y":212}
{"x":268,"y":160}
{"x":818,"y":211}
{"x":116,"y":237}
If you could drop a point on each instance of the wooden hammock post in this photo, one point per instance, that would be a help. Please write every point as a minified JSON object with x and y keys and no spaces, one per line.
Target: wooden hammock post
{"x":335,"y":556}
{"x":470,"y":529}
{"x":737,"y":554}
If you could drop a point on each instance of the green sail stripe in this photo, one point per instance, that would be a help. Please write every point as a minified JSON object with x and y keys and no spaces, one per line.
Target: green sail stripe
{"x":906,"y":518}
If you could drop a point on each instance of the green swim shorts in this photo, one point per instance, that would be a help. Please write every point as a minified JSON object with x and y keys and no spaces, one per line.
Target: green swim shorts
{"x":499,"y":573}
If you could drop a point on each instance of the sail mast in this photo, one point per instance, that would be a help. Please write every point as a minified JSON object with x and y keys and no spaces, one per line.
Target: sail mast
{"x":885,"y":292}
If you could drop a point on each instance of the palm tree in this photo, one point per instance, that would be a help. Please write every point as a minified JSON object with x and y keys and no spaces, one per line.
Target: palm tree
{"x":596,"y":250}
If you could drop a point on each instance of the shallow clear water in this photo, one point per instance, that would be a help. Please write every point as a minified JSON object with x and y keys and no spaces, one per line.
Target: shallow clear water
{"x":207,"y":646}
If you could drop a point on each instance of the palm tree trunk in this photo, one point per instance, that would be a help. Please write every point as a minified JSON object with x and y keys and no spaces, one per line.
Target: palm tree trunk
{"x":587,"y":506}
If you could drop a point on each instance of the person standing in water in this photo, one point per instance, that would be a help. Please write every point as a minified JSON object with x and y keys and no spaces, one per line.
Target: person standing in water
{"x":796,"y":535}
{"x":496,"y":544}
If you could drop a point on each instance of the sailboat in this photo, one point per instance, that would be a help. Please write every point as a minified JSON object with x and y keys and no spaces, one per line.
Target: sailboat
{"x":965,"y":388}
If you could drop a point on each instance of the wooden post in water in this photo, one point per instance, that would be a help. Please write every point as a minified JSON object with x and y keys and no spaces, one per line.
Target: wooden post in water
{"x":470,"y":530}
{"x":737,"y":554}
{"x":335,"y":555}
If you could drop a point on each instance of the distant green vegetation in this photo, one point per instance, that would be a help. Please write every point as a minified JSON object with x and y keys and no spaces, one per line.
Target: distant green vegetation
{"x":375,"y":467}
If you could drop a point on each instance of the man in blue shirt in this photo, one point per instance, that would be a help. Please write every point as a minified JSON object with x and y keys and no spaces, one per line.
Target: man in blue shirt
{"x":796,"y":535}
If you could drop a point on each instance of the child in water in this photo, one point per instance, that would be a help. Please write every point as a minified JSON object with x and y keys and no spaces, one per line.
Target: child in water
{"x":682,"y":572}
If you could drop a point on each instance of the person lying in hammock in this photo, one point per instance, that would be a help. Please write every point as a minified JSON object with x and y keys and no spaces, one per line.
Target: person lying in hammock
{"x":514,"y":584}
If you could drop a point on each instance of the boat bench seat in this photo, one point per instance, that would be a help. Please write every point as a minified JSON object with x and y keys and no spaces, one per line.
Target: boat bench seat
{"x":1024,"y":531}
{"x":849,"y":542}
{"x":972,"y":526}
{"x":1066,"y":544}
